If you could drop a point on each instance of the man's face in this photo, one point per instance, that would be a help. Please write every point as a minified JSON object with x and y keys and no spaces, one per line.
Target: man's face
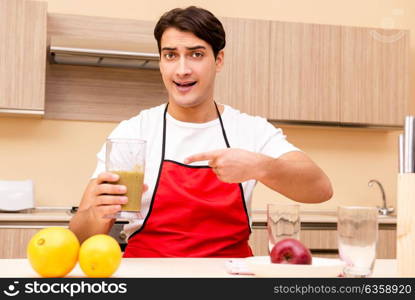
{"x":188,"y":67}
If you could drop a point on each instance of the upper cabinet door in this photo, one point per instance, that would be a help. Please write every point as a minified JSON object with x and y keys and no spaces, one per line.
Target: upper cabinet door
{"x":22,"y":54}
{"x":375,"y":76}
{"x":304,"y":72}
{"x":243,"y":82}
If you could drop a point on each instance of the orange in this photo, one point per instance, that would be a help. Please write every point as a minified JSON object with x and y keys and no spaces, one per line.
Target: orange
{"x":53,"y":251}
{"x":100,"y":256}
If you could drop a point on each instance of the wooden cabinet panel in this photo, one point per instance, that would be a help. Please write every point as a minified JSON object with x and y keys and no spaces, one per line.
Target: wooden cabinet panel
{"x":101,"y":28}
{"x":16,"y":237}
{"x":338,"y":74}
{"x":22,"y":54}
{"x":323,"y":242}
{"x":15,"y":241}
{"x":259,"y":241}
{"x":304,"y":72}
{"x":386,"y":247}
{"x":375,"y":80}
{"x":243,"y":82}
{"x":318,"y":241}
{"x":99,"y":93}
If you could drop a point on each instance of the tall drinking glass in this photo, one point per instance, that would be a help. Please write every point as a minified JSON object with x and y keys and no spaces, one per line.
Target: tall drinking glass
{"x":283,"y":221}
{"x":126,"y":157}
{"x":357,"y":233}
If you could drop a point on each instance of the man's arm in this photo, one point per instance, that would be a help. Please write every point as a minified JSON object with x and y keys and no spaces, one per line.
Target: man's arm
{"x":293,"y":174}
{"x":100,"y":199}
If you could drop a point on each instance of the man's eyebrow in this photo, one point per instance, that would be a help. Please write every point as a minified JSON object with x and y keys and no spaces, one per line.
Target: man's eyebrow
{"x":168,"y":48}
{"x":196,"y":47}
{"x":188,"y":48}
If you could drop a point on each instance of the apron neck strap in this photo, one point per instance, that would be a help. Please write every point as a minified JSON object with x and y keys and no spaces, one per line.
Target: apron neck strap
{"x":163,"y":149}
{"x":221,"y":125}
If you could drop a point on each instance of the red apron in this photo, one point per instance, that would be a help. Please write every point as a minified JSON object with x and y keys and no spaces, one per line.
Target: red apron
{"x":192,"y":214}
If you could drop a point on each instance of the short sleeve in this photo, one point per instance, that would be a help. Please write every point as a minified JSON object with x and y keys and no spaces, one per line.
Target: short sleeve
{"x":271,"y":140}
{"x":100,"y":163}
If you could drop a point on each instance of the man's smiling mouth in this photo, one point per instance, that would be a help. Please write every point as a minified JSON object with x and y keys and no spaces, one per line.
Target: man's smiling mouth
{"x":185,"y":84}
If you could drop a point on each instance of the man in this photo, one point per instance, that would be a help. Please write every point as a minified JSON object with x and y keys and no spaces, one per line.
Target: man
{"x":203,"y":158}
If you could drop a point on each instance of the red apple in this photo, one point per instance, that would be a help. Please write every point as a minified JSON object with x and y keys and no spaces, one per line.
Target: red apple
{"x":290,"y":251}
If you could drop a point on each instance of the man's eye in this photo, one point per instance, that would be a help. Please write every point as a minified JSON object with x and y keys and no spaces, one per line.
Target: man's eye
{"x":169,"y":55}
{"x":197,"y":54}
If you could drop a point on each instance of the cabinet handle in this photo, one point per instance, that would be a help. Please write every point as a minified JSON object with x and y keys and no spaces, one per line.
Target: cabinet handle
{"x":28,"y":112}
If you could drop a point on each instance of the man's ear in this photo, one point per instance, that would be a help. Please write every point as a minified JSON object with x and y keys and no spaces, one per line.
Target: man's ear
{"x":220,"y":60}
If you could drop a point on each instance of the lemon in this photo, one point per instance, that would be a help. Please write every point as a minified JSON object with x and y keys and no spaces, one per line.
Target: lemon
{"x":100,"y":256}
{"x":53,"y":251}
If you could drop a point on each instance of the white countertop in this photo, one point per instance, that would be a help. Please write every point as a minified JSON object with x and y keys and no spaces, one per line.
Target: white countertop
{"x":318,"y":216}
{"x":258,"y":216}
{"x":168,"y":267}
{"x":38,"y":215}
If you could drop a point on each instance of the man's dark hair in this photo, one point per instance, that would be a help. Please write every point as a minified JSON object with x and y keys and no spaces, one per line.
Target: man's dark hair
{"x":199,"y":21}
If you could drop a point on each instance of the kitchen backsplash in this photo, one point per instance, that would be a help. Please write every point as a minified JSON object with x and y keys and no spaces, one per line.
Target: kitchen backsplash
{"x":59,"y":156}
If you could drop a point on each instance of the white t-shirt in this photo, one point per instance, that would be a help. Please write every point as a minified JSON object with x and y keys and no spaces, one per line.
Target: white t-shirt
{"x":183,"y":139}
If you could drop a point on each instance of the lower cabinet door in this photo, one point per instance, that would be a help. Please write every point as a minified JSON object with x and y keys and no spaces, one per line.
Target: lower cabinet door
{"x":15,"y":240}
{"x":322,"y":242}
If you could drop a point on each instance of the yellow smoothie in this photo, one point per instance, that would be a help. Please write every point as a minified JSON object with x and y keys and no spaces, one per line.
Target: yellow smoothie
{"x":133,"y":180}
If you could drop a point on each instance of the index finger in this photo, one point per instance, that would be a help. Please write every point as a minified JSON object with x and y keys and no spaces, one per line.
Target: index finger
{"x":202,"y":156}
{"x":107,"y":177}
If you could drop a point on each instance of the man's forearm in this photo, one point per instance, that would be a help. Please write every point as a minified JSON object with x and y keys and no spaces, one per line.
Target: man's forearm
{"x":298,"y":179}
{"x":84,"y":225}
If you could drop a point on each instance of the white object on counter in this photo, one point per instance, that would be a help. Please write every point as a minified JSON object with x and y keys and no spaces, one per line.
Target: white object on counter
{"x":237,"y":266}
{"x":16,"y":195}
{"x":261,"y":266}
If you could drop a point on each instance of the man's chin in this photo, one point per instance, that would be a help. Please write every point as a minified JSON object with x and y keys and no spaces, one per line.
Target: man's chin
{"x":186,"y":103}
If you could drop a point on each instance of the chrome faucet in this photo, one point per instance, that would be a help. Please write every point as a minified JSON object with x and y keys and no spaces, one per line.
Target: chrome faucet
{"x":384,"y":210}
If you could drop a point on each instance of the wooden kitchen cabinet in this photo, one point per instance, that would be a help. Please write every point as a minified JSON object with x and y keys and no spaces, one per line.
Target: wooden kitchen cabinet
{"x":15,"y":240}
{"x":321,"y":242}
{"x":283,"y":71}
{"x":22,"y":56}
{"x":321,"y":239}
{"x":316,"y":73}
{"x":243,"y":82}
{"x":16,"y":234}
{"x":375,"y":76}
{"x":304,"y":72}
{"x":90,"y":93}
{"x":259,"y":240}
{"x":338,"y":74}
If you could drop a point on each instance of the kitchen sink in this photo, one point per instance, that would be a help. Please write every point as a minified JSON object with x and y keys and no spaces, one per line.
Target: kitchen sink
{"x":387,"y":216}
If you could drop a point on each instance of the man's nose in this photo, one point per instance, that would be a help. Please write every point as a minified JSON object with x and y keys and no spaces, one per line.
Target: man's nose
{"x":183,"y":67}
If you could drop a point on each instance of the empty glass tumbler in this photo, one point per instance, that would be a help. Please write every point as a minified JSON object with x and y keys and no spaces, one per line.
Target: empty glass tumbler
{"x":283,"y":221}
{"x":357,"y":233}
